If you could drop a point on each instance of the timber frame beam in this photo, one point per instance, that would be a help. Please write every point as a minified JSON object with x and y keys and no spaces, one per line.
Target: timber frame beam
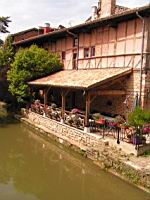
{"x":108,"y":93}
{"x":45,"y":98}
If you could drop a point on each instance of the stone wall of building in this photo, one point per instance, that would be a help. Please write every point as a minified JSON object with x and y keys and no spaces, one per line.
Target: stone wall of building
{"x":146,"y":89}
{"x":116,"y":105}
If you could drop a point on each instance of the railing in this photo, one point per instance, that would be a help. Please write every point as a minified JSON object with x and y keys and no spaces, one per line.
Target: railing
{"x":122,"y":133}
{"x":72,"y":119}
{"x":101,"y":127}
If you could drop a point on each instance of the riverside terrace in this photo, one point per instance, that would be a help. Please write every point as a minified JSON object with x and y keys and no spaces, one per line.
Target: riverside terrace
{"x":67,"y":97}
{"x":114,"y":127}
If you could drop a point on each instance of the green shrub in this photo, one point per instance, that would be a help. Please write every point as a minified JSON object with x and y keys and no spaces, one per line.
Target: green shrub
{"x":138,"y":117}
{"x":3,"y":114}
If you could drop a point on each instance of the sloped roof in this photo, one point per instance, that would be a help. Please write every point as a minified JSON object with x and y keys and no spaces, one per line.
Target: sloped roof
{"x":126,"y":15}
{"x":81,"y":79}
{"x":24,"y":31}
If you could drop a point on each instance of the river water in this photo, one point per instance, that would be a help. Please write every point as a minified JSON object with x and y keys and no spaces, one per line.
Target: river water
{"x":33,"y":169}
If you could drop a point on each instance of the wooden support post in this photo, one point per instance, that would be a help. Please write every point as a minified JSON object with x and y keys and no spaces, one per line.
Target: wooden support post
{"x":63,"y":106}
{"x":63,"y":96}
{"x":87,"y":111}
{"x":45,"y":99}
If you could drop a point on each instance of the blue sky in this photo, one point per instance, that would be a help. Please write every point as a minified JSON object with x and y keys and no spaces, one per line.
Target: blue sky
{"x":32,"y":13}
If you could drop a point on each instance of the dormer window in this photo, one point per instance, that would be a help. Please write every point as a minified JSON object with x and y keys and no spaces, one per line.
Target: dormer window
{"x":75,"y":42}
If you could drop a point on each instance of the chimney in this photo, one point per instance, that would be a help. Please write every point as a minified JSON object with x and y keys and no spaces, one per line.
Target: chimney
{"x":99,"y":4}
{"x":47,"y":28}
{"x":107,"y":8}
{"x":94,"y":13}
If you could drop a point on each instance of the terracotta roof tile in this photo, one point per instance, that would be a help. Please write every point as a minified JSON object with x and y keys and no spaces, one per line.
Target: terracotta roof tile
{"x":81,"y":79}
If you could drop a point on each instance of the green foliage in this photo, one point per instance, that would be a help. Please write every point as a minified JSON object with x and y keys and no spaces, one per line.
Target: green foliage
{"x":4,"y":21}
{"x":6,"y":53}
{"x":3,"y":114}
{"x":6,"y":58}
{"x":146,"y":154}
{"x":1,"y":42}
{"x":30,"y":63}
{"x":138,"y":117}
{"x":96,"y":116}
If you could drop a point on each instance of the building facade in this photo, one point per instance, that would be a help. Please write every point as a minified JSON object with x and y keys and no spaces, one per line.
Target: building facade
{"x":113,"y":37}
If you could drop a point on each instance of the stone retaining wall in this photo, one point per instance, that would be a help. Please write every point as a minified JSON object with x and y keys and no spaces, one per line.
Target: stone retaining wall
{"x":91,"y":146}
{"x":64,"y":131}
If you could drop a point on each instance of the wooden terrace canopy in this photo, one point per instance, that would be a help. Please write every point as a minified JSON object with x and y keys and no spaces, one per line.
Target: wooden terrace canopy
{"x":87,"y":80}
{"x":81,"y":79}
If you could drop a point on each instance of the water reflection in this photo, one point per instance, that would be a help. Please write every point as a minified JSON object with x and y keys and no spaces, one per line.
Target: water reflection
{"x":32,"y":169}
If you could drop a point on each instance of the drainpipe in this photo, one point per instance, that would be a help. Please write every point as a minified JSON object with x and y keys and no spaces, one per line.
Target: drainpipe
{"x":142,"y":52}
{"x":75,"y":36}
{"x":78,"y":54}
{"x":70,"y":33}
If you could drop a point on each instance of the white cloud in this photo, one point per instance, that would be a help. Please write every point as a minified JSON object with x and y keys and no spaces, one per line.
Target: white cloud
{"x":133,"y":3}
{"x":30,"y":13}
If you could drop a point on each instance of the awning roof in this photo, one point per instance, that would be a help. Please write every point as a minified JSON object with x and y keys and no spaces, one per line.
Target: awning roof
{"x":81,"y":79}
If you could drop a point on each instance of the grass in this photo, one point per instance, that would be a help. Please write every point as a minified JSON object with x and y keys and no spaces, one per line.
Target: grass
{"x":146,"y":153}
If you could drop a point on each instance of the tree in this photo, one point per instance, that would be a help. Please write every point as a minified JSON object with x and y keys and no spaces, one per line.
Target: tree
{"x":30,"y":63}
{"x":1,"y":42}
{"x":6,"y":57}
{"x":6,"y":52}
{"x":4,"y":21}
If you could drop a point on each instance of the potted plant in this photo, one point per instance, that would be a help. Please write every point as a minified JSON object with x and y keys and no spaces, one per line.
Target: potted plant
{"x":137,"y":119}
{"x":96,"y":116}
{"x":146,"y":129}
{"x":125,"y":125}
{"x":113,"y":123}
{"x":119,"y":119}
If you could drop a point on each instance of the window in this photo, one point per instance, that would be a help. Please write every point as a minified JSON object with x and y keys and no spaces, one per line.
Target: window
{"x":75,"y":42}
{"x":63,"y":55}
{"x":86,"y":52}
{"x":93,"y":51}
{"x":74,"y":56}
{"x":74,"y":61}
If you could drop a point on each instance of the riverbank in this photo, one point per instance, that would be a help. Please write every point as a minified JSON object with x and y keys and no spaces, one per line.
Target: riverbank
{"x":133,"y":169}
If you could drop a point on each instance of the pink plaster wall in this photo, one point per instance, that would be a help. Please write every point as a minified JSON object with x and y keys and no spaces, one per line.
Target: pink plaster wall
{"x":120,"y":47}
{"x":114,"y":47}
